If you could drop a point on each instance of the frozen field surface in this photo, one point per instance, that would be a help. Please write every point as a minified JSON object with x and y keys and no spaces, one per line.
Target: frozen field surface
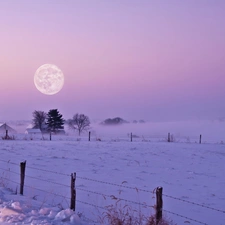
{"x":191,"y":174}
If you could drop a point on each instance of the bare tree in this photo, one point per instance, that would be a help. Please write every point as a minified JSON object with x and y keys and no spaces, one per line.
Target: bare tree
{"x":39,"y":118}
{"x":79,"y":122}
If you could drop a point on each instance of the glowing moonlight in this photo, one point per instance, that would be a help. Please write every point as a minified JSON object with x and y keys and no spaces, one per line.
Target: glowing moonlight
{"x":49,"y":79}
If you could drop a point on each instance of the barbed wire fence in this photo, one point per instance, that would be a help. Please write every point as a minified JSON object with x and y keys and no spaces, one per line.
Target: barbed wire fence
{"x":70,"y":199}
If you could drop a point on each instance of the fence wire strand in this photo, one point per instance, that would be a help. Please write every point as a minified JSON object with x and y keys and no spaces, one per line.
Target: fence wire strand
{"x":95,"y":206}
{"x":117,"y":185}
{"x":9,"y":162}
{"x":49,"y":171}
{"x":115,"y":198}
{"x":185,"y":217}
{"x":193,"y":203}
{"x":10,"y":171}
{"x":50,"y":192}
{"x":52,"y":182}
{"x":4,"y":178}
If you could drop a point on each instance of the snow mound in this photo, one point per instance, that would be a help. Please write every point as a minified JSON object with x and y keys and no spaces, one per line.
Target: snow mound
{"x":19,"y":212}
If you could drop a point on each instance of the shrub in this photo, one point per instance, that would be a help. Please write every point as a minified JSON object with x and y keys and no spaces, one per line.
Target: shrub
{"x":7,"y":137}
{"x":119,"y":214}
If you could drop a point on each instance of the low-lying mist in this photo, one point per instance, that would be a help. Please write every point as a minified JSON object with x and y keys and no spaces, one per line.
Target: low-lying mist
{"x":211,"y":131}
{"x":192,"y":129}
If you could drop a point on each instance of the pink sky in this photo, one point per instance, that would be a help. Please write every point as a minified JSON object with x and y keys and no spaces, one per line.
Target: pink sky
{"x":153,"y":60}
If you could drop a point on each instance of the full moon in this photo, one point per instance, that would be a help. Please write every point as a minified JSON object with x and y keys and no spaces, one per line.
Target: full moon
{"x":49,"y":79}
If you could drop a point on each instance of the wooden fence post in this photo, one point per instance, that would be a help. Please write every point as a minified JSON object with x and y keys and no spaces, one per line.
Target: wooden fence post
{"x":89,"y":136}
{"x":159,"y":204}
{"x":168,"y":137}
{"x":22,"y":176}
{"x":200,"y":139}
{"x":50,"y":136}
{"x":73,"y":192}
{"x":131,"y":137}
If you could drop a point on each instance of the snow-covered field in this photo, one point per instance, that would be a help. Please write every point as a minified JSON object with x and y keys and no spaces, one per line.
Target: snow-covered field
{"x":108,"y":170}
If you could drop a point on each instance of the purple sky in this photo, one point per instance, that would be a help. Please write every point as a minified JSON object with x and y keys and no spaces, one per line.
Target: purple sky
{"x":153,"y":60}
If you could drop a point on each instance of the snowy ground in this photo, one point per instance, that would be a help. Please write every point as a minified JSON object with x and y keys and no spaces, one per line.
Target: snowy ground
{"x":110,"y":169}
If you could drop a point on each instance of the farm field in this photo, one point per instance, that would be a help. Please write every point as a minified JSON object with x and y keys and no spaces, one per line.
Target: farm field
{"x":191,"y":174}
{"x":112,"y":112}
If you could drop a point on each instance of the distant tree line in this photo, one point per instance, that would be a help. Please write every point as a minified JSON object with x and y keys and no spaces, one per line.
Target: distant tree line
{"x":53,"y":121}
{"x":118,"y":121}
{"x":114,"y":121}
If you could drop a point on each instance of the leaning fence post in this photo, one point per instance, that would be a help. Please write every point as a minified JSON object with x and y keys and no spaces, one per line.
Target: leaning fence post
{"x":22,"y":176}
{"x":200,"y":139}
{"x":168,"y":137}
{"x":50,"y":136}
{"x":89,"y":136}
{"x":159,"y":204}
{"x":131,"y":137}
{"x":73,"y":192}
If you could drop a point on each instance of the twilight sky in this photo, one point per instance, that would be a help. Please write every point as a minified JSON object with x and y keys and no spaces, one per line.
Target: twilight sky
{"x":138,"y":59}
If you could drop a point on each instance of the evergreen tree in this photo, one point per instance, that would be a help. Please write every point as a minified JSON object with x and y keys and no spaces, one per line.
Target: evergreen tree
{"x":54,"y":120}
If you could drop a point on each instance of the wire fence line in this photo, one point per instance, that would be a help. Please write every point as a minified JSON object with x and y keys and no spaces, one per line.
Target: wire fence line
{"x":67,"y":186}
{"x":113,"y":184}
{"x":83,"y":178}
{"x":48,"y":181}
{"x":111,"y":197}
{"x":10,"y":171}
{"x":49,"y":171}
{"x":104,"y":182}
{"x":9,"y":162}
{"x":90,"y":204}
{"x":128,"y":137}
{"x":49,"y":192}
{"x":5,"y":178}
{"x":109,"y":183}
{"x":194,"y":203}
{"x":185,"y":217}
